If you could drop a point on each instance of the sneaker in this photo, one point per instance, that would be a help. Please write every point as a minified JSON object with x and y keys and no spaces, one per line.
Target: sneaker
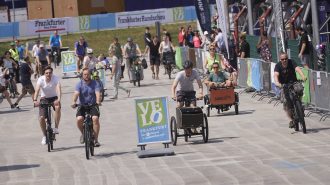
{"x":97,"y":144}
{"x":12,"y":106}
{"x":291,"y":124}
{"x":82,"y":141}
{"x":16,"y":106}
{"x":55,"y":131}
{"x":43,"y":140}
{"x":128,"y":93}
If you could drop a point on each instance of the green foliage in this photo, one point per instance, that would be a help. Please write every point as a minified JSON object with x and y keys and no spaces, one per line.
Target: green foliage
{"x":100,"y":40}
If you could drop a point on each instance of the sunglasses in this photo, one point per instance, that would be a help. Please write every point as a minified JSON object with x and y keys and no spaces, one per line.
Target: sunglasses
{"x":283,"y":59}
{"x":212,"y":49}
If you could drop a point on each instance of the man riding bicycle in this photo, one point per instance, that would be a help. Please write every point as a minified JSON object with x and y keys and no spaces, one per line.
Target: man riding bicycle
{"x":183,"y":88}
{"x":131,"y":51}
{"x":55,"y":42}
{"x":42,"y":58}
{"x":285,"y":73}
{"x":88,"y":91}
{"x":90,"y":60}
{"x":51,"y":92}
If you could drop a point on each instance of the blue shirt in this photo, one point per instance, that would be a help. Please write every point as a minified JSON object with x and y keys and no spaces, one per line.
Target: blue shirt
{"x":21,"y":52}
{"x":55,"y":41}
{"x":81,"y":48}
{"x":87,"y":92}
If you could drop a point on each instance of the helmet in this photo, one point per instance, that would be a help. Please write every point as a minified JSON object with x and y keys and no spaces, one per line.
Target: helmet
{"x":89,"y":51}
{"x":187,"y":64}
{"x":129,"y":39}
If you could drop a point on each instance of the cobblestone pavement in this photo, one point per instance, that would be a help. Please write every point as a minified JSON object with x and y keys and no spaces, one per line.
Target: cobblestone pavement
{"x":254,"y":147}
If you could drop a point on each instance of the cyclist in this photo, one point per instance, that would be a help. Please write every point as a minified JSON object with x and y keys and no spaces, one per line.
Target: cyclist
{"x":90,"y":60}
{"x":35,"y":50}
{"x":183,"y":88}
{"x":131,"y":51}
{"x":55,"y":43}
{"x":42,"y":58}
{"x":284,"y":73}
{"x":166,"y":49}
{"x":88,"y":91}
{"x":80,"y":51}
{"x":14,"y":51}
{"x":51,"y":92}
{"x":26,"y":71}
{"x":3,"y":89}
{"x":218,"y":78}
{"x":11,"y":65}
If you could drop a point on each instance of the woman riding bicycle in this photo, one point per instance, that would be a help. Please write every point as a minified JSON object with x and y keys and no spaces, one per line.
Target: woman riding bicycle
{"x":166,"y":49}
{"x":285,"y":73}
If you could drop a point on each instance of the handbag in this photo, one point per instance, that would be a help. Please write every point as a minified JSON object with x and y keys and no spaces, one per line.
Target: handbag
{"x":144,"y":63}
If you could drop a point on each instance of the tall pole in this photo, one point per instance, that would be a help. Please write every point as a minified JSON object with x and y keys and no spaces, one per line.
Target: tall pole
{"x":250,"y":20}
{"x":13,"y":5}
{"x":225,"y":4}
{"x":53,"y":12}
{"x":315,"y":20}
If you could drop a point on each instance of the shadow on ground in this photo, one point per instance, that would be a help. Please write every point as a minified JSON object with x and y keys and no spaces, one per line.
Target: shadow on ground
{"x":18,"y":167}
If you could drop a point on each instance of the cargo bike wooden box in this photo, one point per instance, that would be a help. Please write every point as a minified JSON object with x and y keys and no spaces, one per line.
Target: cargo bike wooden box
{"x":221,"y":98}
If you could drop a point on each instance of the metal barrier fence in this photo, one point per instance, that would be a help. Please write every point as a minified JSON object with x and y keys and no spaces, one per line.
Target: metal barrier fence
{"x":259,"y":74}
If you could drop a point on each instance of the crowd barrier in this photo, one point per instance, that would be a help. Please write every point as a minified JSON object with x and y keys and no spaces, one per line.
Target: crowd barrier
{"x":39,"y":27}
{"x":259,"y":74}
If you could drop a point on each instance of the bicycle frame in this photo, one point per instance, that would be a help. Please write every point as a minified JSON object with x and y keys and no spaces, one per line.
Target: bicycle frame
{"x":50,"y":136}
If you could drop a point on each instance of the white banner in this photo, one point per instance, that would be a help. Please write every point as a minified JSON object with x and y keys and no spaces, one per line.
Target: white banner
{"x":146,"y":17}
{"x":48,"y":26}
{"x":222,"y":22}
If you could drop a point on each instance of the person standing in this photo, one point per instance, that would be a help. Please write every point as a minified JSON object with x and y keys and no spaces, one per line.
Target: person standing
{"x":50,"y":88}
{"x":189,"y":37}
{"x":304,"y":47}
{"x":244,"y":47}
{"x":206,"y":41}
{"x":264,"y":46}
{"x":115,"y":45}
{"x":147,"y":36}
{"x":182,"y":37}
{"x":196,"y":40}
{"x":154,"y":56}
{"x":26,"y":71}
{"x":80,"y":51}
{"x":116,"y":74}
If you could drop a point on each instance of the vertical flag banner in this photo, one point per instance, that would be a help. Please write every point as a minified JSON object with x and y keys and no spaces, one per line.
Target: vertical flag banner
{"x":152,"y":120}
{"x":203,"y":14}
{"x":222,"y":21}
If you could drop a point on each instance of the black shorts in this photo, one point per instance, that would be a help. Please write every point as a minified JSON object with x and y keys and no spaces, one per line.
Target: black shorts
{"x":95,"y":111}
{"x":181,"y":96}
{"x":42,"y":110}
{"x":154,"y":60}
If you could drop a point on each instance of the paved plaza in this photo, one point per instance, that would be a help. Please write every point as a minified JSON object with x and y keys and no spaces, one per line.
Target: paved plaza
{"x":252,"y":148}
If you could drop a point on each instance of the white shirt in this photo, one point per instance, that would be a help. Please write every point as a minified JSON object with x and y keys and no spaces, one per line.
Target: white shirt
{"x":48,"y":90}
{"x":2,"y":78}
{"x":219,"y":40}
{"x":35,"y":50}
{"x":90,"y":62}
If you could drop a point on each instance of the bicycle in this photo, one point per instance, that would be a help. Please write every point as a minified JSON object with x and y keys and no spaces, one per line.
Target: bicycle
{"x":11,"y":86}
{"x":50,"y":135}
{"x":88,"y":130}
{"x":96,"y":77}
{"x":296,"y":108}
{"x":168,"y":61}
{"x":136,"y":70}
{"x":188,"y":118}
{"x":55,"y":53}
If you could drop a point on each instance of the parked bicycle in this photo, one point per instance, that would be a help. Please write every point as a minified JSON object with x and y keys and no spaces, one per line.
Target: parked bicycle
{"x":294,"y":92}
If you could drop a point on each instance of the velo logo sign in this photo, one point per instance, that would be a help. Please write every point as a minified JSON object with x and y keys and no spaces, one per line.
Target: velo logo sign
{"x":178,"y":14}
{"x":152,"y":120}
{"x":84,"y":22}
{"x":69,"y":61}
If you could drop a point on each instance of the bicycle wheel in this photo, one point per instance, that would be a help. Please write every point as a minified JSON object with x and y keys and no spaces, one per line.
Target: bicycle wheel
{"x":300,"y":114}
{"x":91,"y":146}
{"x":87,"y":140}
{"x":48,"y":140}
{"x":205,"y":129}
{"x":11,"y":89}
{"x":102,"y":92}
{"x":174,"y":132}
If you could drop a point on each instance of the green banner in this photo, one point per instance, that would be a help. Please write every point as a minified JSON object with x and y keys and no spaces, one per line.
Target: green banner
{"x":178,"y":57}
{"x":306,"y":99}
